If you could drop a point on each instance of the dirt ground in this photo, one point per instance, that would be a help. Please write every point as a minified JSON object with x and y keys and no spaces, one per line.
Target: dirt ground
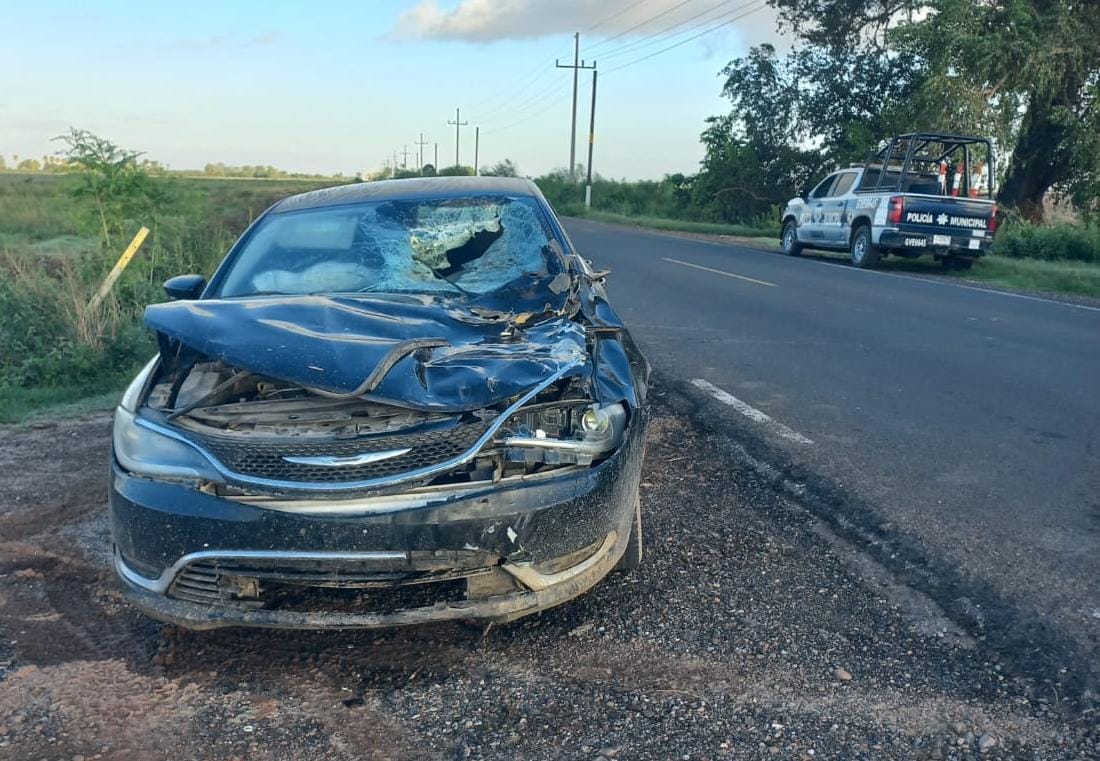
{"x":750,"y":632}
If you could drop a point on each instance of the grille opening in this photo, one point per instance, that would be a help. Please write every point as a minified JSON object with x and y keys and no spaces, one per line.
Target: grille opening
{"x":324,"y":586}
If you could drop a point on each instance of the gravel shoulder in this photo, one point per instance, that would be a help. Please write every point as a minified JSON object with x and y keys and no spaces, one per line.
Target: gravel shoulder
{"x":753,"y":630}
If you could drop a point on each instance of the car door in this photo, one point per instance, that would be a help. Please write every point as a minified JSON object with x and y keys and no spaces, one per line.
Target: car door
{"x":811,"y":228}
{"x":834,"y":224}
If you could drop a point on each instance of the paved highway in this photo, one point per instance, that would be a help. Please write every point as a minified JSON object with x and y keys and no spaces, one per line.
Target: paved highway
{"x":956,"y":427}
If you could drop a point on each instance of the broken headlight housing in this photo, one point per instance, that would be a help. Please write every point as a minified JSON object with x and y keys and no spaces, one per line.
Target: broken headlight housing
{"x":566,"y":435}
{"x":143,"y":451}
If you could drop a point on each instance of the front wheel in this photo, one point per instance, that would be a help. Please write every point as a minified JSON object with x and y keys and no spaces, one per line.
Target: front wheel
{"x":864,"y":252}
{"x":789,"y":239}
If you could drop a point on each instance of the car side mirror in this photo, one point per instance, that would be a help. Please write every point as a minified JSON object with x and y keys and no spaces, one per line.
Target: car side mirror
{"x":184,"y":287}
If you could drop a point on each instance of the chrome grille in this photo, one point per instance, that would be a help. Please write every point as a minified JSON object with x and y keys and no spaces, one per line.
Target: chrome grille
{"x":263,"y":458}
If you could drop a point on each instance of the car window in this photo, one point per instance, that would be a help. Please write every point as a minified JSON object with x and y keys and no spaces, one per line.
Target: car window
{"x":452,"y":246}
{"x":822,"y":189}
{"x":843,"y":184}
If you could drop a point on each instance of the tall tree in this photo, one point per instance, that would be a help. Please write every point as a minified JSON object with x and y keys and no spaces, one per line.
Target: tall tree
{"x":1025,"y":71}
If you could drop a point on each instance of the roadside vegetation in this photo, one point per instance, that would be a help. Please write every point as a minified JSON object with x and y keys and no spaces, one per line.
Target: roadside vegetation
{"x":59,"y":236}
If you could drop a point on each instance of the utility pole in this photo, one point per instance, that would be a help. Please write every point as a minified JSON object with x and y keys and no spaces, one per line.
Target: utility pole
{"x":576,"y":66}
{"x":477,"y":146}
{"x":436,"y":158}
{"x":405,"y":156}
{"x":458,"y":123}
{"x":421,"y":143}
{"x":591,"y":140}
{"x":393,"y":166}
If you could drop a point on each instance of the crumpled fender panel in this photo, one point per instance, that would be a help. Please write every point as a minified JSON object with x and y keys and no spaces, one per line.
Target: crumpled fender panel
{"x":333,"y":343}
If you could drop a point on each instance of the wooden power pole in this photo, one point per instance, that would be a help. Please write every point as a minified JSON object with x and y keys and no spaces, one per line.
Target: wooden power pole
{"x":576,"y":66}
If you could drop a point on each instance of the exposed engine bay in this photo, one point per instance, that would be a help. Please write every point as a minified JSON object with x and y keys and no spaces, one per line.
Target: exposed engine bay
{"x":274,"y":429}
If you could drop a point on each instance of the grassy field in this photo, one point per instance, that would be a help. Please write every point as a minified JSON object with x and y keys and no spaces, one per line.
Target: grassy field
{"x":54,"y":349}
{"x":768,"y":232}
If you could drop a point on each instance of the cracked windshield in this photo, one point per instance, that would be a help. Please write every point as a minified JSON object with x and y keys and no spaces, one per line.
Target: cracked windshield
{"x":466,"y":246}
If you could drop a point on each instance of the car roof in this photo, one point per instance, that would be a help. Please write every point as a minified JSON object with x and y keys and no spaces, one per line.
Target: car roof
{"x":412,"y":188}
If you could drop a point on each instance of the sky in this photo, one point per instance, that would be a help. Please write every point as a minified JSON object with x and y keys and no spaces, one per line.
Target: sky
{"x":341,"y":86}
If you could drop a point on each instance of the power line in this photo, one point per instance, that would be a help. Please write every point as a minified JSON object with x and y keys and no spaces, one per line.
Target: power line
{"x":509,"y":108}
{"x":546,"y":107}
{"x":615,"y":15}
{"x":760,"y":7}
{"x":526,"y":103}
{"x":667,"y":33}
{"x":503,"y":97}
{"x":649,"y":20}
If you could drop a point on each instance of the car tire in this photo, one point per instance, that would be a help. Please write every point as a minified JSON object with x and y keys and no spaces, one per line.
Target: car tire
{"x":632,"y":557}
{"x":789,"y":239}
{"x":864,"y":252}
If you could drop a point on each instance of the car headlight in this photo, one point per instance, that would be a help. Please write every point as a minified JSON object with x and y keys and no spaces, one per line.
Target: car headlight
{"x":598,"y":430}
{"x":146,"y":452}
{"x":131,"y":397}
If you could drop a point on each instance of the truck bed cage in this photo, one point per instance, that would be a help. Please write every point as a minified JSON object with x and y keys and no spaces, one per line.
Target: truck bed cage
{"x":911,"y":151}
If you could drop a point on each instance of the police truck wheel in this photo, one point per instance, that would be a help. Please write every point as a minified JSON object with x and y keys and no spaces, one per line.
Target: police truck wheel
{"x":632,"y":558}
{"x":789,"y":239}
{"x":864,"y":253}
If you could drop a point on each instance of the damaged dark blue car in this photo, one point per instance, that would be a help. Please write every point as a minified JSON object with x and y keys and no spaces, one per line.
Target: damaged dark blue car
{"x":393,"y":403}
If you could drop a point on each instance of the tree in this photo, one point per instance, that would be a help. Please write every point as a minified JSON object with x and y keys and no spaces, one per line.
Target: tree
{"x":456,"y":171}
{"x":1024,"y":71}
{"x":753,"y":158}
{"x":503,"y":168}
{"x":112,"y":179}
{"x":29,"y":165}
{"x":1038,"y":58}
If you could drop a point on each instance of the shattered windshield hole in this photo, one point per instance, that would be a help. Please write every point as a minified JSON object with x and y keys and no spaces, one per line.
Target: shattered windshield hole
{"x":458,"y":246}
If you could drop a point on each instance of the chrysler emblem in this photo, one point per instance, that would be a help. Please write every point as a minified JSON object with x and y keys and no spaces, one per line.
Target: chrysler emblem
{"x":365,"y":458}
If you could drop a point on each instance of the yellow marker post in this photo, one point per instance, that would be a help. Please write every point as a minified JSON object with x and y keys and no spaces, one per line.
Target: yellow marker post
{"x":120,"y":265}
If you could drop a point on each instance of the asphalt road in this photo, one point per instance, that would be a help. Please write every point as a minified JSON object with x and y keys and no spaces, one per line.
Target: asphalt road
{"x":954,"y":431}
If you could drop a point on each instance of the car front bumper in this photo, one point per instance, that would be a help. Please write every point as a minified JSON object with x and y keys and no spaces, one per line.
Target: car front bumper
{"x":515,"y":547}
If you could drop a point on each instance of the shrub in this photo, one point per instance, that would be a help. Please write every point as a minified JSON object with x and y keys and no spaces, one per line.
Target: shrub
{"x":1060,"y":242}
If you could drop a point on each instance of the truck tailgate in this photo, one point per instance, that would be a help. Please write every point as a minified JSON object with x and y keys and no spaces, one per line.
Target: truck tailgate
{"x":946,"y":216}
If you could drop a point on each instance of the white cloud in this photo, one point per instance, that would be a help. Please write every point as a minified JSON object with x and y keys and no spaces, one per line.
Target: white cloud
{"x":490,"y":20}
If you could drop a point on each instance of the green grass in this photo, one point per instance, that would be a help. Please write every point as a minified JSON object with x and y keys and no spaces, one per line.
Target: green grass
{"x":674,"y":225}
{"x":1073,"y":278}
{"x":21,"y":405}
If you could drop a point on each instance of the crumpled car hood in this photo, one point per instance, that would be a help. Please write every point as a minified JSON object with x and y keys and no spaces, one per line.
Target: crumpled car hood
{"x":333,"y":343}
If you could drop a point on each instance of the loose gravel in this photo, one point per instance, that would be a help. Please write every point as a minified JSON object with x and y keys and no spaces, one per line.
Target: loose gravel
{"x":750,"y":632}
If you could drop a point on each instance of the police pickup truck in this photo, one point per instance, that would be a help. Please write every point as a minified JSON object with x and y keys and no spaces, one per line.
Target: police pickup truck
{"x":923,"y":193}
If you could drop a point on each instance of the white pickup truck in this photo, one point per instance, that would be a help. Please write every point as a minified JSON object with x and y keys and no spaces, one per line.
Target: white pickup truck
{"x":923,"y":193}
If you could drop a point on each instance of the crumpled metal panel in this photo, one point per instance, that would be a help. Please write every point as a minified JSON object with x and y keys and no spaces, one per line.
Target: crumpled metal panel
{"x":334,"y":342}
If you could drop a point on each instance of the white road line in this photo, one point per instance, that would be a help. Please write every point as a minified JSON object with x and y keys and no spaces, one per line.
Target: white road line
{"x":750,"y":412}
{"x":899,"y":275}
{"x":930,"y":279}
{"x":720,"y":272}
